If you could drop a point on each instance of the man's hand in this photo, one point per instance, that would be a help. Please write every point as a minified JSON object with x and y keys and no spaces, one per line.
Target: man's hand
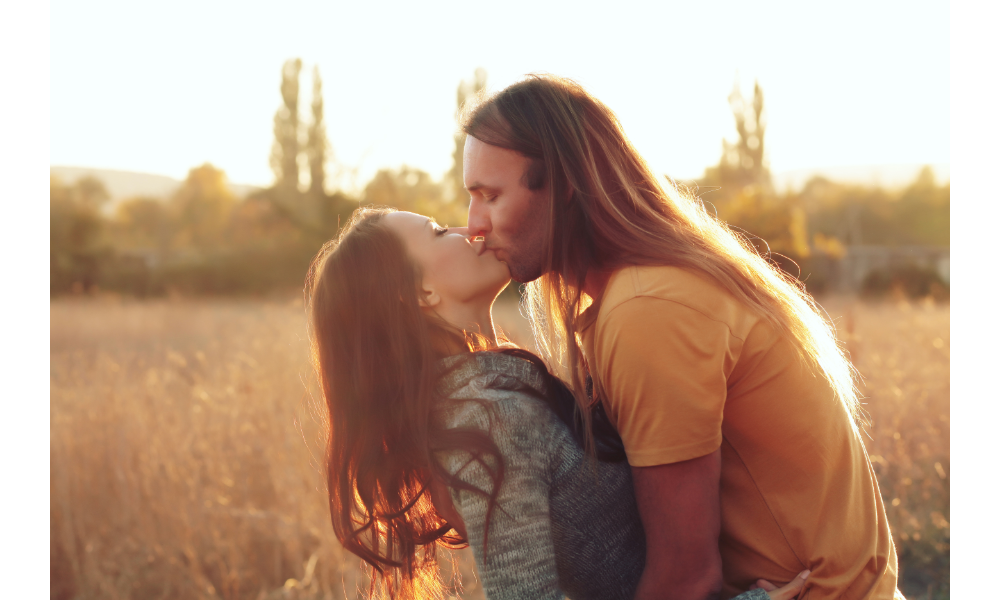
{"x":679,"y":507}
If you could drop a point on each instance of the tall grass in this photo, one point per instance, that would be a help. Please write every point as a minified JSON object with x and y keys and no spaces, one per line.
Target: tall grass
{"x":185,"y":455}
{"x":902,"y":349}
{"x":186,"y":460}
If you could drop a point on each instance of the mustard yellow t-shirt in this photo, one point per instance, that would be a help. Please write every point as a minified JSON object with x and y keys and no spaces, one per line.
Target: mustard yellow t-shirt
{"x":684,"y":368}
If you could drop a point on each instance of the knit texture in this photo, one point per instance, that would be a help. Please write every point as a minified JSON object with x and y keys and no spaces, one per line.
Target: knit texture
{"x":564,"y":525}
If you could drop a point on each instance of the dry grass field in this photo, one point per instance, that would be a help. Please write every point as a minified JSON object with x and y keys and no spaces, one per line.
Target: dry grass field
{"x":185,"y":461}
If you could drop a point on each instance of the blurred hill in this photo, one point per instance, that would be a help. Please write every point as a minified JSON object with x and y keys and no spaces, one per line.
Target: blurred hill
{"x":122,"y":185}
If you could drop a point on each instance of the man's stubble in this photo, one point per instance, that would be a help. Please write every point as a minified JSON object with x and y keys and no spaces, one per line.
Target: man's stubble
{"x":527,"y":250}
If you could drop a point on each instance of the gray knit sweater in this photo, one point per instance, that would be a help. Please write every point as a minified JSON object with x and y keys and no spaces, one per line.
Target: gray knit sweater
{"x":564,"y":525}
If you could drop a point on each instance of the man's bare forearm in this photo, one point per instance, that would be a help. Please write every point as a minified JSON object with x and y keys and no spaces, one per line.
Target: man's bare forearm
{"x":657,"y":586}
{"x":680,"y":511}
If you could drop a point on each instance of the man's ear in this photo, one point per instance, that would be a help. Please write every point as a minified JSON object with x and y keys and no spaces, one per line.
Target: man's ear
{"x":428,"y":298}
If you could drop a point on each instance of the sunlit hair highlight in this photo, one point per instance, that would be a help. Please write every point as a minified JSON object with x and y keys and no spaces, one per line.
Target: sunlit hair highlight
{"x":377,"y":357}
{"x":608,"y":210}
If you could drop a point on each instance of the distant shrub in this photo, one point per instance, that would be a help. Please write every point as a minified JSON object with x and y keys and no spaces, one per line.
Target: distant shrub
{"x":911,"y":281}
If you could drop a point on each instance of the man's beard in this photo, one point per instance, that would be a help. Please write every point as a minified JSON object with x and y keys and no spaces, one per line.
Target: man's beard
{"x":526,"y":253}
{"x":526,"y":264}
{"x":524,"y":273}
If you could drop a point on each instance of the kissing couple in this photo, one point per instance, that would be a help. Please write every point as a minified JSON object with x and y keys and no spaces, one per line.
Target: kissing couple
{"x":688,"y":432}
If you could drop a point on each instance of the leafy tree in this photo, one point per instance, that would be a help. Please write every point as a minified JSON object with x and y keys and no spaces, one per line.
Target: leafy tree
{"x":201,"y":209}
{"x":923,"y":213}
{"x":314,"y":212}
{"x":285,"y":151}
{"x":405,"y":188}
{"x":413,"y":190}
{"x":77,"y":243}
{"x":740,"y":189}
{"x":742,"y":163}
{"x":858,"y":214}
{"x":317,"y":144}
{"x":776,"y":226}
{"x":143,"y":222}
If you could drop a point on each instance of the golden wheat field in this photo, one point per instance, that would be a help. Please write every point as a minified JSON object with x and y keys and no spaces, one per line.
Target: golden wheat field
{"x":185,"y":454}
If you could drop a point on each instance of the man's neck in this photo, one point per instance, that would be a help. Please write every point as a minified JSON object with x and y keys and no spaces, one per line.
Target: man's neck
{"x":595,"y":282}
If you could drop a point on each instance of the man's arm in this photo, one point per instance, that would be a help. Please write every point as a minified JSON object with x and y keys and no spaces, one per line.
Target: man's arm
{"x":679,"y":507}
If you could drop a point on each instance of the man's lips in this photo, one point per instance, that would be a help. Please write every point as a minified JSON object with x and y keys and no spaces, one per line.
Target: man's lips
{"x":484,"y":248}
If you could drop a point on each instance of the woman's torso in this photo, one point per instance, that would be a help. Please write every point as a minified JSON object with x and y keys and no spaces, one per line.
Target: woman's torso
{"x":564,"y":524}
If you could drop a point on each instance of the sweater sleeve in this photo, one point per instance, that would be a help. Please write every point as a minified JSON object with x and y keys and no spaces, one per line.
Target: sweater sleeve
{"x":757,"y":594}
{"x":518,"y":559}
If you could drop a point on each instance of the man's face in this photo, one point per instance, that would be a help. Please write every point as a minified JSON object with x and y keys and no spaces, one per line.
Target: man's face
{"x":512,"y":219}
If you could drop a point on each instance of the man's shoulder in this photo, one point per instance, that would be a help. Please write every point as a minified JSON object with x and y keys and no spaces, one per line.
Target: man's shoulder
{"x":679,"y":287}
{"x":676,"y":284}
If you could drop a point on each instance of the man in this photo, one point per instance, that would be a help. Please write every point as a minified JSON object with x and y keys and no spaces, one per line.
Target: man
{"x":733,"y":400}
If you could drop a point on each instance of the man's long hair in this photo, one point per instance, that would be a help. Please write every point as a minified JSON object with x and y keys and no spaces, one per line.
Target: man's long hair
{"x":608,"y":210}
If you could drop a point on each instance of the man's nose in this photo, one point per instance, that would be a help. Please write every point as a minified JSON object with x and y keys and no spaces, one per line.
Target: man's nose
{"x":479,"y":219}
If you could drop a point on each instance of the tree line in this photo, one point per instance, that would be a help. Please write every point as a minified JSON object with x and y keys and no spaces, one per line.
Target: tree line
{"x":204,"y":240}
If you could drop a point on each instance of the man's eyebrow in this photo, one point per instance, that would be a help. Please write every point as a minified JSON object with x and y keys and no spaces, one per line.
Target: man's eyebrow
{"x":478,"y":186}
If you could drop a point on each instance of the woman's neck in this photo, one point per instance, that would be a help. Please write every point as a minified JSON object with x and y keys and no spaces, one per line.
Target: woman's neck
{"x":473,"y":319}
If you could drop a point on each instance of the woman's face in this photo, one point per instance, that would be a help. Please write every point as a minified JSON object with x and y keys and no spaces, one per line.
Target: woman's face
{"x":457,"y":269}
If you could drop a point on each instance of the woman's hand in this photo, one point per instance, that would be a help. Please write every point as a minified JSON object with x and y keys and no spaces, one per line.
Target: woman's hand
{"x":787,"y":592}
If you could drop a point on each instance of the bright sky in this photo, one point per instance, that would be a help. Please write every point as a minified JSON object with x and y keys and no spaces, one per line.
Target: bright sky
{"x":162,"y":87}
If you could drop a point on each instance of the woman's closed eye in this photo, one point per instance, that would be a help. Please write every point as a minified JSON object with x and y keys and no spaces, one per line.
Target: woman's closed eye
{"x":440,"y":231}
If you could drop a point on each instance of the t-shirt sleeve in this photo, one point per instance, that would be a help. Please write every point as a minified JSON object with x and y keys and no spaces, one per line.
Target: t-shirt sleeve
{"x":663,"y":368}
{"x":519,"y":559}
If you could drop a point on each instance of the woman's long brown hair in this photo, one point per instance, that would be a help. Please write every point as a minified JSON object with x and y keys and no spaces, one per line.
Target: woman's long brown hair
{"x":608,"y":210}
{"x":377,"y":358}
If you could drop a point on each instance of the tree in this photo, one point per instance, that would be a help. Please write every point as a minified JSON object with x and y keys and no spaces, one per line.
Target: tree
{"x":742,"y":163}
{"x":144,"y":223}
{"x":918,"y":214}
{"x":314,"y":212}
{"x":201,"y":208}
{"x":775,"y":225}
{"x":414,"y":190}
{"x":406,"y":189}
{"x":317,"y":144}
{"x":285,"y":151}
{"x":466,"y":89}
{"x":77,"y":244}
{"x":742,"y":193}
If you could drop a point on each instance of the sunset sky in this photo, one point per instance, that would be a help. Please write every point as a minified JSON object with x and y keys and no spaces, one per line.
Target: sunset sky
{"x":163,"y":87}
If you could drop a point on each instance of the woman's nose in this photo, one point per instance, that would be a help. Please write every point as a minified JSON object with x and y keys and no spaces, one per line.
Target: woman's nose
{"x":459,"y":230}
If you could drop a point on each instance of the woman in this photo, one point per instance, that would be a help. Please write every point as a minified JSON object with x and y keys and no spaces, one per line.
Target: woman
{"x":434,"y":440}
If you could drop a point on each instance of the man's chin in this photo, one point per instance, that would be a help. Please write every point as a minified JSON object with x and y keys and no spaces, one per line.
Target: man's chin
{"x":525,"y":275}
{"x":520,"y":271}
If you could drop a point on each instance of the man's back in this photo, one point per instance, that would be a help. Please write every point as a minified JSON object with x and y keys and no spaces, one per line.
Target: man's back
{"x":684,"y":368}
